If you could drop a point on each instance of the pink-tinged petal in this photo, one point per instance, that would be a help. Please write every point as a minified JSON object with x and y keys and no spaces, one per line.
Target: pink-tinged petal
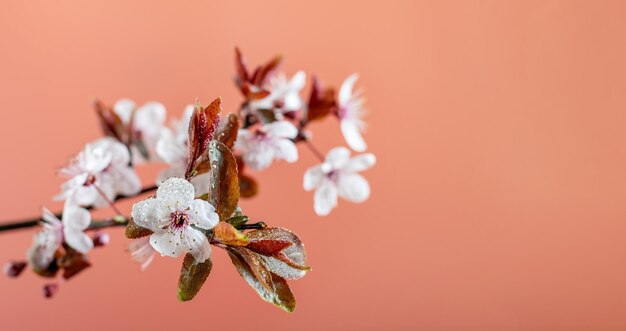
{"x":150,"y":117}
{"x":202,"y":214}
{"x":286,"y":150}
{"x":201,"y":183}
{"x":84,"y":196}
{"x":260,"y":158}
{"x":50,"y":218}
{"x":345,"y":91}
{"x":298,"y":81}
{"x":176,"y":192}
{"x":77,"y":239}
{"x":169,"y":149}
{"x":167,"y":243}
{"x":313,"y":178}
{"x":148,"y":213}
{"x":353,"y":187}
{"x":124,"y":109}
{"x":360,"y":163}
{"x":142,"y":252}
{"x":126,"y":182}
{"x":76,"y":217}
{"x":281,"y":129}
{"x":197,"y":244}
{"x":353,"y":137}
{"x":336,"y":158}
{"x":325,"y":198}
{"x":175,"y":171}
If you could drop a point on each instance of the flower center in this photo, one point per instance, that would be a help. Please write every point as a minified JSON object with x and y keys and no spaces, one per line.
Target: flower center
{"x":178,"y":219}
{"x":90,"y":180}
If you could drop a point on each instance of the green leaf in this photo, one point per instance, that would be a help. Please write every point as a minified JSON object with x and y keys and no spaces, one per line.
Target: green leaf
{"x":270,"y":287}
{"x":192,"y":277}
{"x":224,"y":189}
{"x":134,"y":231}
{"x":226,"y":234}
{"x":238,"y":220}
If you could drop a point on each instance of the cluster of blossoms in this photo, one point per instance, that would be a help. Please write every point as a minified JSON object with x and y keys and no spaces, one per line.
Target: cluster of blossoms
{"x":196,"y":203}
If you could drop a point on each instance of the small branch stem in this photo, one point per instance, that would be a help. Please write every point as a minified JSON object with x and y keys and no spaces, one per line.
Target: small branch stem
{"x":252,"y":226}
{"x":104,"y":196}
{"x":314,"y":149}
{"x":29,"y":223}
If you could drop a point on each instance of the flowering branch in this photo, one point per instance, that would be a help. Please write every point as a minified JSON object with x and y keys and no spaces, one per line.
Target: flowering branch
{"x":29,"y":223}
{"x":196,"y":204}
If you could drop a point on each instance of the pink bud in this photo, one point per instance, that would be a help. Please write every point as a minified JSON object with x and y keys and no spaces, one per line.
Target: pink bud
{"x":14,"y":268}
{"x":49,"y":290}
{"x":101,"y":239}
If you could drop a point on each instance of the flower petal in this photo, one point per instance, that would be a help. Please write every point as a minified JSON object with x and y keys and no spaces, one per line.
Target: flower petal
{"x":77,"y":239}
{"x":203,"y":214}
{"x":148,"y":213}
{"x":313,"y":177}
{"x":76,"y":217}
{"x":353,"y":187}
{"x":286,"y":150}
{"x":337,"y":158}
{"x":345,"y":91}
{"x":169,"y":149}
{"x":197,"y":244}
{"x":360,"y":163}
{"x":176,"y":192}
{"x":124,"y":109}
{"x":353,"y":136}
{"x":282,"y":129}
{"x":325,"y":198}
{"x":167,"y":243}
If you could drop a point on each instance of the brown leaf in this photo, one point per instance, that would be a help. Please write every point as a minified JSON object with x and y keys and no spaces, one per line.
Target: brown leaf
{"x":248,"y":186}
{"x":202,"y":126}
{"x":134,"y":231}
{"x":228,"y":129}
{"x":192,"y":277}
{"x":270,"y":287}
{"x":321,"y":102}
{"x":73,"y":262}
{"x":224,"y":189}
{"x":226,"y":234}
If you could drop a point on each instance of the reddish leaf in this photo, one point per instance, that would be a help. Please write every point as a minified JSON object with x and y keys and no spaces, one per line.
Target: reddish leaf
{"x":262,"y":73}
{"x":224,"y":190}
{"x":192,"y":277}
{"x":110,"y":122}
{"x":202,"y":127}
{"x":227,"y":130}
{"x":240,"y":64}
{"x":268,"y":247}
{"x":289,"y":262}
{"x":321,"y":102}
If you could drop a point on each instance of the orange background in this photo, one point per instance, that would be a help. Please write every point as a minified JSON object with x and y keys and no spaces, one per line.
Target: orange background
{"x":497,"y":201}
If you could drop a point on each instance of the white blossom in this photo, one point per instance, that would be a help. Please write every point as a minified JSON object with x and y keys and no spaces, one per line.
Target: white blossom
{"x":177,"y":220}
{"x":268,"y":143}
{"x":284,"y":94}
{"x":337,"y":176}
{"x":75,"y":221}
{"x":147,"y":122}
{"x":46,"y":242}
{"x":351,"y":114}
{"x":173,"y":148}
{"x":101,"y":168}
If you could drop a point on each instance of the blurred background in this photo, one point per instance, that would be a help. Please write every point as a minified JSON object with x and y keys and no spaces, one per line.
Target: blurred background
{"x":497,"y":201}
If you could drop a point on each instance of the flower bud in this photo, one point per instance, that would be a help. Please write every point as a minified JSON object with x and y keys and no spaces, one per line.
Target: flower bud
{"x":49,"y":290}
{"x":101,"y":239}
{"x":14,"y":268}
